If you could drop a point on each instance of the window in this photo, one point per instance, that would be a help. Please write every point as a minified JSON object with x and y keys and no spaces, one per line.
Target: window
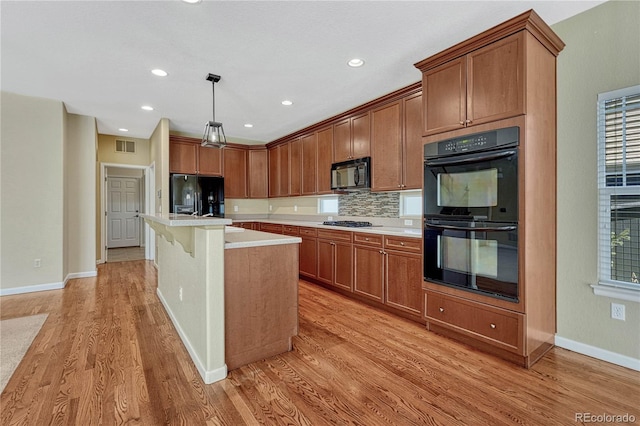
{"x":619,"y":191}
{"x":125,"y":146}
{"x":328,"y":205}
{"x":411,"y":204}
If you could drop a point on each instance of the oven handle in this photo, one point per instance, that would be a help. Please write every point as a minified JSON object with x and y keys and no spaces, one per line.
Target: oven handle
{"x":470,"y":158}
{"x":470,"y":228}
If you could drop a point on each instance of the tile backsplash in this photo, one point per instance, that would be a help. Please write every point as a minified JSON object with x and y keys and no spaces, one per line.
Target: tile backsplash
{"x":369,"y":204}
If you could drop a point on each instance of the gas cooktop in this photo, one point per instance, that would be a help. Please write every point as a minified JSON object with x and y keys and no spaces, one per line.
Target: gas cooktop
{"x":348,"y":223}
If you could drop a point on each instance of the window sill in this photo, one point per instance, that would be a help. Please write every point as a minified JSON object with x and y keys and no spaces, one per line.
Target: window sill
{"x":616,"y":292}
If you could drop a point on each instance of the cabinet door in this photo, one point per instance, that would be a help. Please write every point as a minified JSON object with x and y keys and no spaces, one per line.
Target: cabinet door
{"x":325,"y":157}
{"x":295,"y":167}
{"x":325,"y":261}
{"x":404,"y":281}
{"x":413,"y":151}
{"x":257,"y":174}
{"x":368,"y":277}
{"x":386,"y":148}
{"x":343,"y":262}
{"x":495,"y":81}
{"x":235,"y":173}
{"x":283,"y":170}
{"x":444,"y":97}
{"x":274,"y":173}
{"x":342,"y":141}
{"x":361,"y":136}
{"x":308,"y":257}
{"x":309,"y":163}
{"x":183,"y":157}
{"x":209,"y":161}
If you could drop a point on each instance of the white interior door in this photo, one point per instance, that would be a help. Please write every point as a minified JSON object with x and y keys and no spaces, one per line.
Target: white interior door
{"x":123,"y":212}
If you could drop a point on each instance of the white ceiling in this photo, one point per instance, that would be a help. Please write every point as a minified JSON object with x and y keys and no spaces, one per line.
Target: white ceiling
{"x":96,"y":56}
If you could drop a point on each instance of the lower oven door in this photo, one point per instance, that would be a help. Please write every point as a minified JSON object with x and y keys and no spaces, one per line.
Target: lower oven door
{"x":476,"y":256}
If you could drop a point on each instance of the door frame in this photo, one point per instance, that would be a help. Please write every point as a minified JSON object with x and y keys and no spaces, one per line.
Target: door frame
{"x":148,"y":181}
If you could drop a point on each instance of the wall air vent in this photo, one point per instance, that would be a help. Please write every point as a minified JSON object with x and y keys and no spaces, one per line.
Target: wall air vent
{"x":125,"y":146}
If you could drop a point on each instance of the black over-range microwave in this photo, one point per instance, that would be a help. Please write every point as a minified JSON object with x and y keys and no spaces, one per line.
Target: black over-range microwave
{"x":351,"y":175}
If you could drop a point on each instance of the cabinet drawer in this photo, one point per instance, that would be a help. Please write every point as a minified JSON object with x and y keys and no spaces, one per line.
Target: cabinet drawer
{"x":410,"y":245}
{"x":372,"y":240}
{"x":329,"y":234}
{"x":271,"y":227}
{"x":290,"y":230}
{"x":308,"y":232}
{"x":497,"y":326}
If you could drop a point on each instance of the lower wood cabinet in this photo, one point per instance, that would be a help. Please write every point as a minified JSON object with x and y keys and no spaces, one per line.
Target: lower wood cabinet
{"x":274,"y":228}
{"x":335,"y":260}
{"x":308,"y":252}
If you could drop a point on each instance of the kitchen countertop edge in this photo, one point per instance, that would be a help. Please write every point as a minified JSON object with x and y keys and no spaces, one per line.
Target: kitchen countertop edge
{"x":383,"y":230}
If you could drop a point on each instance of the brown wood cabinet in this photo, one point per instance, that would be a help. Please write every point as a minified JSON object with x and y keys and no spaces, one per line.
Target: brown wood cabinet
{"x":235,"y":172}
{"x":257,"y":173}
{"x":295,"y":167}
{"x":501,"y":78}
{"x":482,"y":86}
{"x":396,"y":145}
{"x":335,"y":262}
{"x":187,"y":156}
{"x":271,"y":227}
{"x":388,"y":269}
{"x":352,"y":138}
{"x":279,"y":177}
{"x":255,"y":226}
{"x":325,"y":158}
{"x":308,"y":252}
{"x":309,"y":163}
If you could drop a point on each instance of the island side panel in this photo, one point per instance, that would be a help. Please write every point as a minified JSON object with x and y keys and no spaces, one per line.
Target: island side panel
{"x":261,"y":302}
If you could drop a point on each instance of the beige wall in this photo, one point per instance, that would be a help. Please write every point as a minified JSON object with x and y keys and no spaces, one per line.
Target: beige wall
{"x":80,"y":191}
{"x":602,"y":54}
{"x":32,"y":222}
{"x":107,"y":151}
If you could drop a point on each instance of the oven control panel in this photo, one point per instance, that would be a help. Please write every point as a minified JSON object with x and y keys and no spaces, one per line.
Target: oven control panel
{"x":474,"y":142}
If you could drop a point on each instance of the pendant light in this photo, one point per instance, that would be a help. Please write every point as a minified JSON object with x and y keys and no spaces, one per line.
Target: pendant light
{"x":213,"y":132}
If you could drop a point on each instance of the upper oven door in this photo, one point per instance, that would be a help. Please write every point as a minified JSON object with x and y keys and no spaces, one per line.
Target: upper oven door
{"x":482,"y":185}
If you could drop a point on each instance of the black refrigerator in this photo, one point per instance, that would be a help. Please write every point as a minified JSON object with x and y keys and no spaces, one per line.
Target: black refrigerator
{"x":202,"y":195}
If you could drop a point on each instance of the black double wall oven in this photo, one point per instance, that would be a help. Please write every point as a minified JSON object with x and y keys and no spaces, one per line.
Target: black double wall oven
{"x":470,"y":197}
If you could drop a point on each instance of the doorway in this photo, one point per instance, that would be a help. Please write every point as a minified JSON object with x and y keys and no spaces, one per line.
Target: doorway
{"x":123,"y":212}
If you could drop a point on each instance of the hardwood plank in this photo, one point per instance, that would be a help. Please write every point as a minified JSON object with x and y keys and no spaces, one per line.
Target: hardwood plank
{"x":109,"y":354}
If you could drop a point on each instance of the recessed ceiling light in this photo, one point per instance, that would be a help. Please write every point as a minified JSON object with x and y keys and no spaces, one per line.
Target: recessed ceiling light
{"x":147,"y":107}
{"x":287,"y":102}
{"x":248,"y":125}
{"x":192,"y":1}
{"x":122,"y":129}
{"x":356,"y":62}
{"x":159,"y":72}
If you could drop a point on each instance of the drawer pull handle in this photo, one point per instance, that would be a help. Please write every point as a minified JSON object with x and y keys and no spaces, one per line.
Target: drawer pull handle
{"x":441,"y":309}
{"x":493,"y":326}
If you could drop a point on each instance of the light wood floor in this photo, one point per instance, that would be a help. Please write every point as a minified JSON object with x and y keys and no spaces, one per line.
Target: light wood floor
{"x":125,"y":254}
{"x":108,"y":354}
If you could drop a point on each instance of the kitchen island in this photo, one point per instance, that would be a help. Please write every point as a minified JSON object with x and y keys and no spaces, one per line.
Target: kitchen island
{"x":191,"y":285}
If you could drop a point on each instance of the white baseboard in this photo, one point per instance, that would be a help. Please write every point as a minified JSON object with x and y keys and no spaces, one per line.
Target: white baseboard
{"x":32,"y":288}
{"x":75,"y":275}
{"x":208,"y":376}
{"x":598,"y":353}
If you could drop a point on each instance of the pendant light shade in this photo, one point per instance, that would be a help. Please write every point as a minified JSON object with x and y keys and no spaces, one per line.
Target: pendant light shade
{"x":213,"y":132}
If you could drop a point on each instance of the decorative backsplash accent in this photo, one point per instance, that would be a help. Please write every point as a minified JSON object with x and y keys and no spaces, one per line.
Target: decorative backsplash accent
{"x":369,"y":204}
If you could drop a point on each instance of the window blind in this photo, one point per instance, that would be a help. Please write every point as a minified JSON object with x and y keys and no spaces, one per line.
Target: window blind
{"x":619,"y":187}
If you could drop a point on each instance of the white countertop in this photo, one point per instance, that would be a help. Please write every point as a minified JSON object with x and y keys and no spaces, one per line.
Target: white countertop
{"x":243,"y":238}
{"x":384,"y":230}
{"x":172,"y":219}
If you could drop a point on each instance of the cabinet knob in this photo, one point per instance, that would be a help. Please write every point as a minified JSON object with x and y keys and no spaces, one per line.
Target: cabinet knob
{"x":468,"y":121}
{"x":493,"y":326}
{"x":381,"y":252}
{"x":401,"y":243}
{"x":441,"y":309}
{"x":461,"y":123}
{"x":366,"y":239}
{"x":399,"y":186}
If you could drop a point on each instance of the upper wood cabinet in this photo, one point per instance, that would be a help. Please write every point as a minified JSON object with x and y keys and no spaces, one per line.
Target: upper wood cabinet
{"x":295,"y":167}
{"x":257,"y":175}
{"x":279,"y":170}
{"x":235,"y":172}
{"x":396,"y":145}
{"x":309,"y":163}
{"x":352,"y":138}
{"x":325,"y":158}
{"x":484,"y":85}
{"x":187,"y":156}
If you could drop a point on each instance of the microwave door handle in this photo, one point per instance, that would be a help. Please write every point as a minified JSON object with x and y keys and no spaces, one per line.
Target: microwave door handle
{"x":471,"y":228}
{"x":469,"y":159}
